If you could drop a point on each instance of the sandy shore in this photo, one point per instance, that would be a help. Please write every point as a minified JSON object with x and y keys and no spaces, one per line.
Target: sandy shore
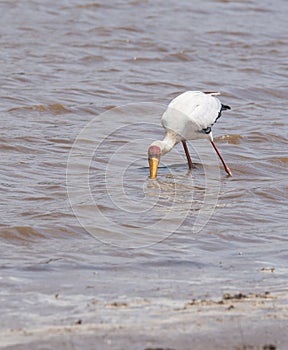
{"x":240,"y":322}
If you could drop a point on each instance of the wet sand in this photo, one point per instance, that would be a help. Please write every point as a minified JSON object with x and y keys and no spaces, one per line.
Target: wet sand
{"x":240,"y":322}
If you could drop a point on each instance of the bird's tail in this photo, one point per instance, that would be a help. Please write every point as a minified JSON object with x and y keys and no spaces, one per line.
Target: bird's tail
{"x":212,"y":93}
{"x":224,"y":107}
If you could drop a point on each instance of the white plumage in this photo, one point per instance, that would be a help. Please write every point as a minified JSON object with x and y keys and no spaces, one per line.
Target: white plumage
{"x":189,"y":116}
{"x":191,"y":112}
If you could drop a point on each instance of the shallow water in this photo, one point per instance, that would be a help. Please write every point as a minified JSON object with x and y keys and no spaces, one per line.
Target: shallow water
{"x":82,"y":89}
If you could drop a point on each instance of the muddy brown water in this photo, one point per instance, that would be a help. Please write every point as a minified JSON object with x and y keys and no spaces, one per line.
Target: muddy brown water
{"x":82,"y":88}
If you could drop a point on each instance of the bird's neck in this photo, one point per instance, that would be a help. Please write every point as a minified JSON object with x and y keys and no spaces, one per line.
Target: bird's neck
{"x":169,"y":141}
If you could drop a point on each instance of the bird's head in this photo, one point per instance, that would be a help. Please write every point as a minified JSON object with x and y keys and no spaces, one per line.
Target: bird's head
{"x":154,"y":153}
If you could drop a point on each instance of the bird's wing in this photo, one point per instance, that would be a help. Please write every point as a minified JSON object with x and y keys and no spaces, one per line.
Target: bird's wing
{"x":192,"y":110}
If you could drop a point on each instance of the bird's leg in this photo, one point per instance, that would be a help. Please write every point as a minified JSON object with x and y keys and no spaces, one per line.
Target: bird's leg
{"x":228,"y":171}
{"x":187,"y":154}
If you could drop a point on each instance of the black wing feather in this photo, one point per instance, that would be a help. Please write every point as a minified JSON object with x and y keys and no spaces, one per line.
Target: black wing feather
{"x":223,"y":108}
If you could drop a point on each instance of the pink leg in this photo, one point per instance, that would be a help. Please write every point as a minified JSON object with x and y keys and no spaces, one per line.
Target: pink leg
{"x":187,"y":154}
{"x":228,"y":171}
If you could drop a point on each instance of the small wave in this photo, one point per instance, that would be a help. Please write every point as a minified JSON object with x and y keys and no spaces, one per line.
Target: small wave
{"x":55,"y":108}
{"x":261,"y":137}
{"x":92,"y":58}
{"x":95,"y":5}
{"x":179,"y":56}
{"x":21,"y":233}
{"x":232,"y":139}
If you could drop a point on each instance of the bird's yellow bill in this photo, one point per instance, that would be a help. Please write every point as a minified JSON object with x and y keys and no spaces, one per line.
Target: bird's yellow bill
{"x":153,"y":164}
